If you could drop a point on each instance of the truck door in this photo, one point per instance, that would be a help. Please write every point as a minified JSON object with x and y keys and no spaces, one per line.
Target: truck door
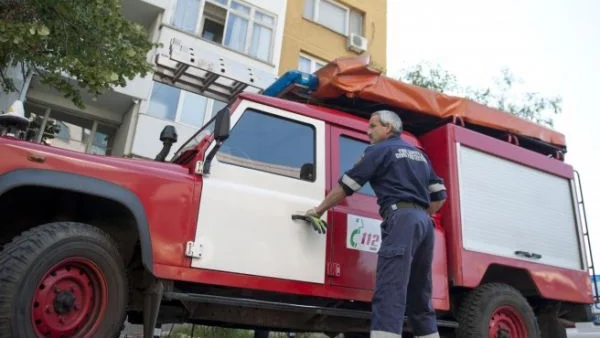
{"x":355,"y":233}
{"x":271,"y":166}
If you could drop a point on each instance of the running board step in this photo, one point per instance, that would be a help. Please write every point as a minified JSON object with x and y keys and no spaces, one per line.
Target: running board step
{"x":270,"y":305}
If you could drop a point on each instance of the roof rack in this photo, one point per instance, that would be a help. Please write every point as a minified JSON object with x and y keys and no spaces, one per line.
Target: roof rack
{"x":205,"y":72}
{"x":354,"y":86}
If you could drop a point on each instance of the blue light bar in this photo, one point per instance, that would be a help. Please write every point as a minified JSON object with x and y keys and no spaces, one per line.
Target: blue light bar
{"x":292,"y":79}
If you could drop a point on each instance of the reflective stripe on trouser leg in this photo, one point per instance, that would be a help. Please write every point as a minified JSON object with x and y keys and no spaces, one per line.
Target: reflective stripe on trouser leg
{"x":383,"y":334}
{"x":419,"y":308}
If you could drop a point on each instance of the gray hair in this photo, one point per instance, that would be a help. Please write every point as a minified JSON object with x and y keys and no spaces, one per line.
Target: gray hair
{"x":389,"y":118}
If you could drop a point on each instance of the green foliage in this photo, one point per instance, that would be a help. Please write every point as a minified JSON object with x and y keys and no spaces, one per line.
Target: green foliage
{"x":89,"y":40}
{"x":212,"y":332}
{"x":503,"y":95}
{"x":200,"y":331}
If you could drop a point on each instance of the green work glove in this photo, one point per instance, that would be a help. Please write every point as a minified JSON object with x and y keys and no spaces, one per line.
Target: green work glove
{"x":314,"y":219}
{"x":318,"y":224}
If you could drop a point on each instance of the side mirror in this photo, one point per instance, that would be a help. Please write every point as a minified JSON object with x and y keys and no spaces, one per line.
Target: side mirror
{"x":168,"y":136}
{"x":222,"y":124}
{"x":221,"y":133}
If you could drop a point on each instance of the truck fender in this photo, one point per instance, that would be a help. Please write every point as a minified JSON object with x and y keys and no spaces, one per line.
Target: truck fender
{"x":87,"y":185}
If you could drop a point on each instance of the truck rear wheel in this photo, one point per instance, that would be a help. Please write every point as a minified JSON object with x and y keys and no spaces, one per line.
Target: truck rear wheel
{"x":62,"y":280}
{"x":496,"y":310}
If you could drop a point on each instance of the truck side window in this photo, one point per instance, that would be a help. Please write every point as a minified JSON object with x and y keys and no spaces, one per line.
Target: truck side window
{"x":271,"y":143}
{"x":350,"y":152}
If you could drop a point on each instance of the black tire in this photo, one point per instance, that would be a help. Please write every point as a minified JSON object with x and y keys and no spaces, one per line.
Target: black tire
{"x":498,"y":304}
{"x":64,"y":266}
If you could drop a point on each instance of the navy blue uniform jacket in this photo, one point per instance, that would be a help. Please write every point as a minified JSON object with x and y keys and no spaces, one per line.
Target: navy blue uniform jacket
{"x":397,"y":171}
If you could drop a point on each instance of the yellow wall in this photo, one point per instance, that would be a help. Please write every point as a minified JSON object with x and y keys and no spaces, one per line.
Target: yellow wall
{"x":309,"y":37}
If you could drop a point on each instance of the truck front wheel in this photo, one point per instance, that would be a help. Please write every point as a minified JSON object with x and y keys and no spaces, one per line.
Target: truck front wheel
{"x":496,"y":310}
{"x":62,"y":280}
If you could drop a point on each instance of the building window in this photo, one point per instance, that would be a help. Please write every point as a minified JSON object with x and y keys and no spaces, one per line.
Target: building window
{"x":186,"y":14}
{"x":101,"y":143}
{"x":68,"y":131}
{"x":174,"y":104}
{"x":217,"y":105}
{"x":335,"y":16}
{"x":309,"y":64}
{"x":213,"y":23}
{"x":350,"y":151}
{"x":232,"y":23}
{"x":273,"y":144}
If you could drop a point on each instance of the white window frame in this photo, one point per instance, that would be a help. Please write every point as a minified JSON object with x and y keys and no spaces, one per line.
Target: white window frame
{"x":208,"y":107}
{"x":202,"y":20}
{"x":313,"y":61}
{"x":181,"y":101}
{"x":278,"y":115}
{"x":315,"y":16}
{"x":251,"y":21}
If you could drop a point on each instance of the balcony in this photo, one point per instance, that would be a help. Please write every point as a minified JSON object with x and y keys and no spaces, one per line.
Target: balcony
{"x":144,"y":12}
{"x":148,"y":14}
{"x":110,"y":106}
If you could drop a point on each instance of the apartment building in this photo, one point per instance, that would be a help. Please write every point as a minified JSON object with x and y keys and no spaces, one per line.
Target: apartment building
{"x":318,"y":31}
{"x":236,"y":42}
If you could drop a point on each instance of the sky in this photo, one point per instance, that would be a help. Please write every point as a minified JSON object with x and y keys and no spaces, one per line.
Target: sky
{"x":553,"y":46}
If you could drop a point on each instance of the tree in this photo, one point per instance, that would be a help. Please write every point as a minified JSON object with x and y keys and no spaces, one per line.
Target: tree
{"x":88,"y":40}
{"x":503,"y":95}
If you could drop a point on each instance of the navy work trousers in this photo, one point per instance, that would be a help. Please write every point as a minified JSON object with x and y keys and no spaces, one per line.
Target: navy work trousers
{"x":403,"y":284}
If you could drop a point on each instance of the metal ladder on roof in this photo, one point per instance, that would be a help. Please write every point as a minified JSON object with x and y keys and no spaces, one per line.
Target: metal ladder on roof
{"x":586,"y":235}
{"x":202,"y":71}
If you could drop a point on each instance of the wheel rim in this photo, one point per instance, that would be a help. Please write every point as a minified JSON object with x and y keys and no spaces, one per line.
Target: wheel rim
{"x":506,"y":322}
{"x":70,"y":299}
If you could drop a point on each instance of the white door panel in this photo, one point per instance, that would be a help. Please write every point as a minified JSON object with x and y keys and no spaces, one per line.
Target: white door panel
{"x":244,"y":221}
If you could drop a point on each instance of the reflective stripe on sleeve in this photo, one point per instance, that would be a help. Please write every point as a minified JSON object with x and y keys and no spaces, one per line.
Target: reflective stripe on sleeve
{"x":350,"y":183}
{"x":436,"y":187}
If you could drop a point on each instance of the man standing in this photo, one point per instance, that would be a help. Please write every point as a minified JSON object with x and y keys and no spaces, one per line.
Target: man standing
{"x":408,"y":191}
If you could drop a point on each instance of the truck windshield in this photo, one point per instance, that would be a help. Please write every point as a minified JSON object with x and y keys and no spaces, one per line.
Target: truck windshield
{"x":206,"y":130}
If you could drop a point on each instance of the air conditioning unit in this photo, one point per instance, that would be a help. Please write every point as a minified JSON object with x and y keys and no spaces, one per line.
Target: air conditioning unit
{"x":357,"y":43}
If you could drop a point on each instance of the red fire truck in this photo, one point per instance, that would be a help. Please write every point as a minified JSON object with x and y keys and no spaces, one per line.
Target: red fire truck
{"x":209,"y":236}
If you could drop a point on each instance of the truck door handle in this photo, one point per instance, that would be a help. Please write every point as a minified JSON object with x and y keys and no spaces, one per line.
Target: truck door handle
{"x":300,"y":217}
{"x":320,"y":226}
{"x":527,"y":254}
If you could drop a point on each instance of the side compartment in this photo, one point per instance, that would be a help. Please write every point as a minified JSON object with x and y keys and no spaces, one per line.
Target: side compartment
{"x":510,"y":210}
{"x":513,"y":210}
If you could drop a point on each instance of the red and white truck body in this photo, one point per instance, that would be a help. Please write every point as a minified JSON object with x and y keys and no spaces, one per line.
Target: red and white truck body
{"x":211,"y":240}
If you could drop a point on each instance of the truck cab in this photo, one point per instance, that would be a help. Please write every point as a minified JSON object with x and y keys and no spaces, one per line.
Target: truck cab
{"x":279,"y":159}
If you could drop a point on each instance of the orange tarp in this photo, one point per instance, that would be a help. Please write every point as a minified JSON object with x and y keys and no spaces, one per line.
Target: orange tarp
{"x":355,"y":78}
